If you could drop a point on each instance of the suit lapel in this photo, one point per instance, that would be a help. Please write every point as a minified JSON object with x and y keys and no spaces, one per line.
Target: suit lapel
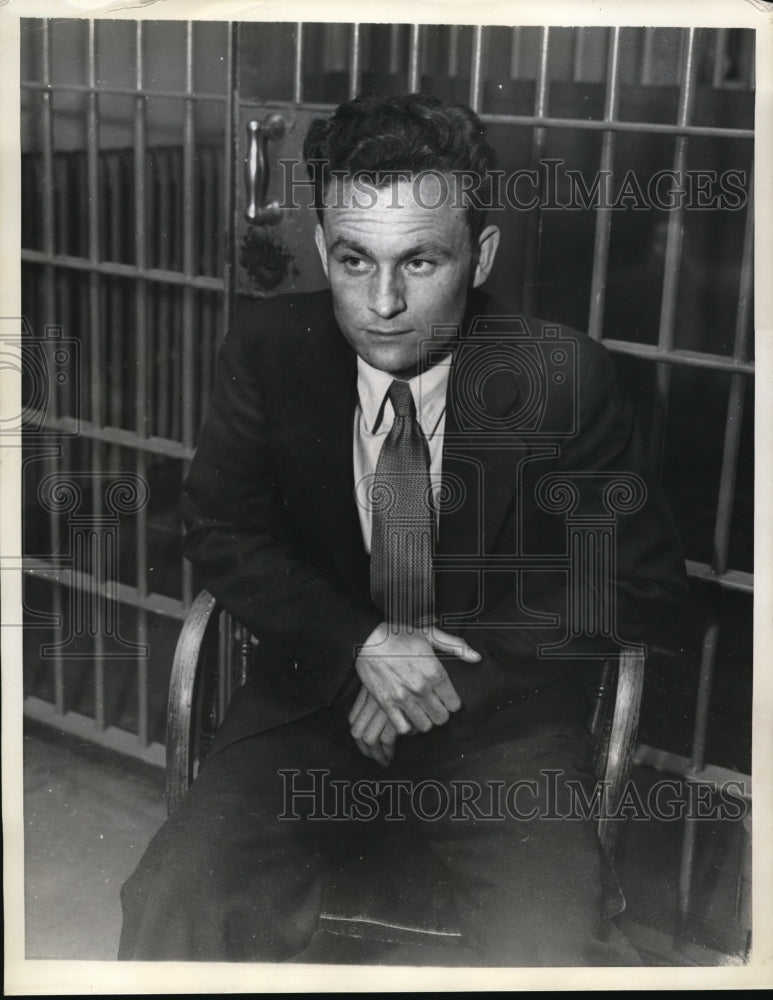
{"x":481,"y":459}
{"x":328,"y":377}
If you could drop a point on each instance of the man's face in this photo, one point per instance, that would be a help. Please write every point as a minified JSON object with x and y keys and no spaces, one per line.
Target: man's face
{"x":397,"y":266}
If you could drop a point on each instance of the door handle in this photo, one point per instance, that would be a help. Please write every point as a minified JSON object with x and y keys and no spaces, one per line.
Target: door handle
{"x":256,"y":169}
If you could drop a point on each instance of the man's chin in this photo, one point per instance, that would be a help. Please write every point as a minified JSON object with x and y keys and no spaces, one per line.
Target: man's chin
{"x":405,"y":366}
{"x":399,"y":366}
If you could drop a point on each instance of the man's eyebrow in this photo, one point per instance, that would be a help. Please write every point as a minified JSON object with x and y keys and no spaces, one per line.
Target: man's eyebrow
{"x":425,"y":248}
{"x":343,"y":244}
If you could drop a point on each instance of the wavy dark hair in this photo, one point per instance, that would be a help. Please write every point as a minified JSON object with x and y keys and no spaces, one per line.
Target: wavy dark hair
{"x":378,"y":136}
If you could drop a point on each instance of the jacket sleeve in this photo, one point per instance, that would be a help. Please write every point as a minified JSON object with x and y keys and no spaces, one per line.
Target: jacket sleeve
{"x":648,"y":579}
{"x":241,"y":542}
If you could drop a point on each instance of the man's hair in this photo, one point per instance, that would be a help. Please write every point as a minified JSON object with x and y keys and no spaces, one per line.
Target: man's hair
{"x":379,"y":136}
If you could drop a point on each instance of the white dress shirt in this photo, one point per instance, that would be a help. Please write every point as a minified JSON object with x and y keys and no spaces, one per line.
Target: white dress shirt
{"x":373,"y":420}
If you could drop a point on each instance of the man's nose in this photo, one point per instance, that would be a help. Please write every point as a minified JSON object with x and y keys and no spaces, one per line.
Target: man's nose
{"x":387,"y":295}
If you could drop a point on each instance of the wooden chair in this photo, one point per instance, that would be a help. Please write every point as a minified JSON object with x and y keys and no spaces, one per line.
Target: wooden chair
{"x":214,"y":656}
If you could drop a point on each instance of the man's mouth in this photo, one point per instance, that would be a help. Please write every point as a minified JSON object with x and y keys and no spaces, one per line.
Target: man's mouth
{"x":387,"y":333}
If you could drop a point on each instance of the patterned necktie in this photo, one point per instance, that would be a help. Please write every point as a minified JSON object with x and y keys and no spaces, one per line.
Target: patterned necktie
{"x":403,"y":519}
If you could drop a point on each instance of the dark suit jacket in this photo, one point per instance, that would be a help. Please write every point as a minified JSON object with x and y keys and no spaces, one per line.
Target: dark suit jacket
{"x":273,"y":529}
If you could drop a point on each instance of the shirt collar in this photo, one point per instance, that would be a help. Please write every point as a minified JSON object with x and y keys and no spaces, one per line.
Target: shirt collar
{"x":428,"y":389}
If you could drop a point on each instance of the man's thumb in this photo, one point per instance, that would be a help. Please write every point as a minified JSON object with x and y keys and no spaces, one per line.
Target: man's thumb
{"x":453,"y":645}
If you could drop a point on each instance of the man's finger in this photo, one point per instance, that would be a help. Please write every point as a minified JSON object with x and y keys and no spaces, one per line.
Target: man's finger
{"x":414,"y":710}
{"x":359,"y":701}
{"x":446,"y":692}
{"x":435,"y":708}
{"x":376,"y":753}
{"x":372,"y":733}
{"x":398,"y":719}
{"x":452,"y":645}
{"x":366,"y":713}
{"x":388,"y":735}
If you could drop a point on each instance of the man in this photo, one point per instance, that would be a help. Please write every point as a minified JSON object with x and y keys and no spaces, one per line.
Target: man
{"x":380,"y":494}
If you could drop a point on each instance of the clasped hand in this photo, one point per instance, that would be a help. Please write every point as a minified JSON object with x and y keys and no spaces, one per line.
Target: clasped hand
{"x":405,"y":689}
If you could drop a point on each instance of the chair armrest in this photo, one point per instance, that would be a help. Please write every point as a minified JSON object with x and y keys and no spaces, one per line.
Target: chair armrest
{"x":622,"y":741}
{"x":186,"y":670}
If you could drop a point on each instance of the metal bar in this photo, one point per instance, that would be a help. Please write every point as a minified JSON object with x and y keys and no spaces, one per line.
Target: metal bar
{"x":686,"y":864}
{"x":354,"y":61}
{"x":207,"y":313}
{"x":677,"y":356}
{"x":158,"y":604}
{"x":114,"y":292}
{"x":534,"y":229}
{"x":674,"y":763}
{"x":476,"y":72}
{"x":697,"y":759}
{"x":207,"y":212}
{"x":173,"y":358}
{"x":49,"y":299}
{"x":96,"y":373}
{"x":673,"y":258}
{"x":718,"y":69}
{"x":208,"y":230}
{"x":230,"y":176}
{"x":142,"y":620}
{"x":188,"y":313}
{"x":394,"y":49}
{"x":604,"y":213}
{"x":656,"y":128}
{"x":81,"y":725}
{"x":598,"y":125}
{"x":515,"y":53}
{"x":62,"y":201}
{"x":118,"y":435}
{"x":705,"y":678}
{"x":161,"y":394}
{"x":578,"y":59}
{"x":541,"y":98}
{"x":736,"y":394}
{"x":453,"y":50}
{"x":85,"y":88}
{"x":141,"y":385}
{"x":413,"y":58}
{"x":732,"y":579}
{"x":189,"y":212}
{"x":93,"y":216}
{"x":648,"y":52}
{"x":159,"y":274}
{"x":298,"y":69}
{"x":64,"y":308}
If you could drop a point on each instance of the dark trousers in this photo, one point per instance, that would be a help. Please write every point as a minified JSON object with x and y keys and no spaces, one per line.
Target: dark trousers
{"x":237,"y":873}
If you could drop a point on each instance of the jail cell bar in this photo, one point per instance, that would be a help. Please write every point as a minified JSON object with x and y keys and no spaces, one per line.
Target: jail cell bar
{"x":174,"y":435}
{"x":663,"y":355}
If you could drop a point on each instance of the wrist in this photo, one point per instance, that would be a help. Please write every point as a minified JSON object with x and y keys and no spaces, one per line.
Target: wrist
{"x":376,"y":638}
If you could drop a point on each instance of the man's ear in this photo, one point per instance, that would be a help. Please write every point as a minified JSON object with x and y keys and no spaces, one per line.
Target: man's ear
{"x":488,"y":244}
{"x":319,"y":239}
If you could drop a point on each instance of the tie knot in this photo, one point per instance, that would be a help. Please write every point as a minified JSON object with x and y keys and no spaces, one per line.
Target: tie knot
{"x":401,"y":398}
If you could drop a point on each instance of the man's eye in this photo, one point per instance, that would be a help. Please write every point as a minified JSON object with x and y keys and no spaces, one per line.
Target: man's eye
{"x":354,"y":263}
{"x":420,"y":265}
